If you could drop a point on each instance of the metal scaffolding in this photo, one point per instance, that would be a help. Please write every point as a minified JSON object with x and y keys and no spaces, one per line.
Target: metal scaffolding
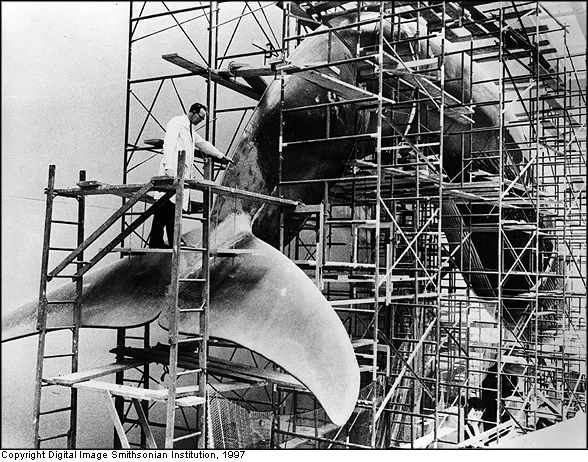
{"x":394,"y":244}
{"x":456,"y":264}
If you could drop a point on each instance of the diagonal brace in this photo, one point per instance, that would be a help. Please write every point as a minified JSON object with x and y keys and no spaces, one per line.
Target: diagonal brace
{"x":404,"y":369}
{"x":411,"y":370}
{"x":409,"y":247}
{"x":120,"y":431}
{"x":96,"y":234}
{"x":144,"y":424}
{"x":122,"y":236}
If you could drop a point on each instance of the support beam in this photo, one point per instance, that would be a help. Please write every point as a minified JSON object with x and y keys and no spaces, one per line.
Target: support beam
{"x":199,"y":69}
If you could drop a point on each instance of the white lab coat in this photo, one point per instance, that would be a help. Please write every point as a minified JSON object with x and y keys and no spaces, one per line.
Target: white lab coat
{"x":181,"y":136}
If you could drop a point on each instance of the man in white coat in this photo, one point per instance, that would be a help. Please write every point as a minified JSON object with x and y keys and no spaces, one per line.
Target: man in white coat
{"x":180,"y":135}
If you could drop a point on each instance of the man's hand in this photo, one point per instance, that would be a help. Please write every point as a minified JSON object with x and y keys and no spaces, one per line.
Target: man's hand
{"x":226,"y":160}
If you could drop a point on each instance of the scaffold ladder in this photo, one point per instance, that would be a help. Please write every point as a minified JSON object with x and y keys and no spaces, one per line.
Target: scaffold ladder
{"x":43,"y":328}
{"x":175,"y":311}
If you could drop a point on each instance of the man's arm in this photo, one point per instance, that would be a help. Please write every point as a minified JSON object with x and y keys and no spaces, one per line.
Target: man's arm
{"x":170,"y":156}
{"x":207,"y":147}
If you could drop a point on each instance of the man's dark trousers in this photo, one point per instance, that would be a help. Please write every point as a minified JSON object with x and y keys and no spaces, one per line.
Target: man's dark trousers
{"x":163,"y":218}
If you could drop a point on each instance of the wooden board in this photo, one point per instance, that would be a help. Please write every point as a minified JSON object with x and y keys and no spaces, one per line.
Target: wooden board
{"x":214,"y":75}
{"x":108,"y":369}
{"x":254,"y":372}
{"x":184,"y":395}
{"x":343,"y":89}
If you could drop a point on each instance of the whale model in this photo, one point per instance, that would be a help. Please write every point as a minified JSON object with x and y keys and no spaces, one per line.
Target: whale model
{"x":260,"y":299}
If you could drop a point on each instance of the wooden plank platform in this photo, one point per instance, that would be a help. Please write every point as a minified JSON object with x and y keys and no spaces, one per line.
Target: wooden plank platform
{"x":184,"y":395}
{"x":366,"y":368}
{"x":307,"y":209}
{"x":229,"y":367}
{"x":91,"y":184}
{"x":216,"y":366}
{"x":232,"y":385}
{"x":346,"y":279}
{"x":356,"y":301}
{"x":242,"y":194}
{"x":343,"y":89}
{"x":198,"y":69}
{"x":362,"y":343}
{"x":181,"y":392}
{"x":108,"y":369}
{"x":139,"y":251}
{"x":190,"y":401}
{"x":345,"y":265}
{"x":93,"y":187}
{"x":233,"y":252}
{"x":165,"y":183}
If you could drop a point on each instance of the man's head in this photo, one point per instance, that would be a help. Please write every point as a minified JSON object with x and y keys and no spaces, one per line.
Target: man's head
{"x":197,"y":113}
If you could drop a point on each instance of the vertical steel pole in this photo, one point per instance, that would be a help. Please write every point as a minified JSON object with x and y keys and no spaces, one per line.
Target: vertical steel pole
{"x":128,"y":93}
{"x":536,"y":199}
{"x":204,"y":315}
{"x":213,"y":58}
{"x":276,"y":423}
{"x":77,"y":318}
{"x":376,"y":324}
{"x":211,"y":98}
{"x":439,"y":226}
{"x":500,"y":210}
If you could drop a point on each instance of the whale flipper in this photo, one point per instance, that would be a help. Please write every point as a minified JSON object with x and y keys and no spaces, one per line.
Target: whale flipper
{"x":264,"y":302}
